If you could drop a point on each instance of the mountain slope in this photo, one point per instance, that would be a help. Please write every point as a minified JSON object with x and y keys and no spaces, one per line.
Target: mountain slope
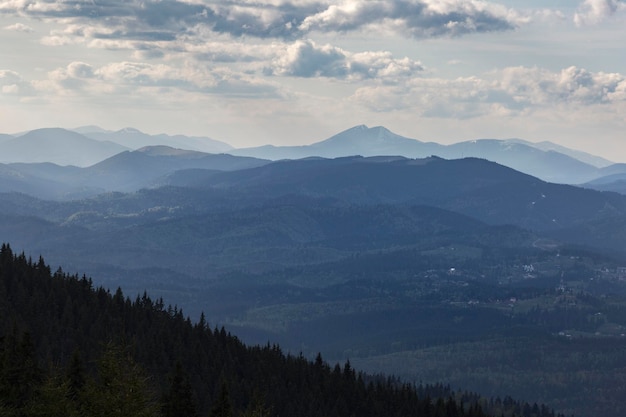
{"x":475,"y":187}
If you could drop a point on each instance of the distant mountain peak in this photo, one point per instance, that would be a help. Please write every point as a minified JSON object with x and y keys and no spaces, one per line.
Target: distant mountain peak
{"x":361,"y":127}
{"x":362,"y":135}
{"x":129,"y":130}
{"x":89,"y":129}
{"x":49,"y":130}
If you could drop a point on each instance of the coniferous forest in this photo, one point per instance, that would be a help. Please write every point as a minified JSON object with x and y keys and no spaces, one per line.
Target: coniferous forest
{"x":70,"y":349}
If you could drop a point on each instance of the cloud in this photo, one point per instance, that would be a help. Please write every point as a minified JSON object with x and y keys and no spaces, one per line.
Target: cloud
{"x":19,"y":27}
{"x":595,"y":11}
{"x":510,"y":91}
{"x":154,"y":20}
{"x":12,"y":83}
{"x":382,"y":65}
{"x":305,"y":58}
{"x":415,"y":18}
{"x":144,"y":81}
{"x":535,"y":86}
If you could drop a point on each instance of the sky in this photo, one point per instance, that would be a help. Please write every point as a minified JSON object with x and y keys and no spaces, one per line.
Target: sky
{"x":291,"y":72}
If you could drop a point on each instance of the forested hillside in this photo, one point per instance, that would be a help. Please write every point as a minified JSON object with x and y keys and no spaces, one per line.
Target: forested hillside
{"x":69,"y":349}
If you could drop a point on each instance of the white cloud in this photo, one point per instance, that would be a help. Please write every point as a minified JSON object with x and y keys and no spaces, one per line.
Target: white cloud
{"x":510,"y":91}
{"x":19,"y":27}
{"x":118,"y":80}
{"x":305,"y":58}
{"x":415,"y":18}
{"x":12,"y":83}
{"x":383,"y":66}
{"x":167,"y":20}
{"x":595,"y":11}
{"x":535,"y":86}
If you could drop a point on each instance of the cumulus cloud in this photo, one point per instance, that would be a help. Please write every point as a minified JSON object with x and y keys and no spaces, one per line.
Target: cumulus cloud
{"x":305,"y":58}
{"x":595,"y":11}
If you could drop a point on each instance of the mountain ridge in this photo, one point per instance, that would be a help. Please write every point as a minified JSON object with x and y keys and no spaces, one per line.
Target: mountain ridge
{"x":56,"y":145}
{"x":136,"y":139}
{"x":547,"y":163}
{"x":126,"y":171}
{"x":84,"y":147}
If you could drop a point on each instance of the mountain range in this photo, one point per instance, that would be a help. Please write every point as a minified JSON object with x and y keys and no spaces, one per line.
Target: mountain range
{"x":510,"y":282}
{"x":544,"y":160}
{"x":63,"y":164}
{"x":87,"y":146}
{"x":123,"y":172}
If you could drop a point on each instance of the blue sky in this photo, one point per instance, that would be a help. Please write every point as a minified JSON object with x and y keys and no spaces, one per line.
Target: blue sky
{"x":295,"y":72}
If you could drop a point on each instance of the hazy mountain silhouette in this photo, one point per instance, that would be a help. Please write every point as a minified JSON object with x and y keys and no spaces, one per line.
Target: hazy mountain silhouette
{"x":547,"y":161}
{"x":132,"y":170}
{"x":88,"y":145}
{"x":594,"y":160}
{"x":127,"y":171}
{"x":549,"y":165}
{"x":135,"y":139}
{"x":359,"y":140}
{"x":59,"y":146}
